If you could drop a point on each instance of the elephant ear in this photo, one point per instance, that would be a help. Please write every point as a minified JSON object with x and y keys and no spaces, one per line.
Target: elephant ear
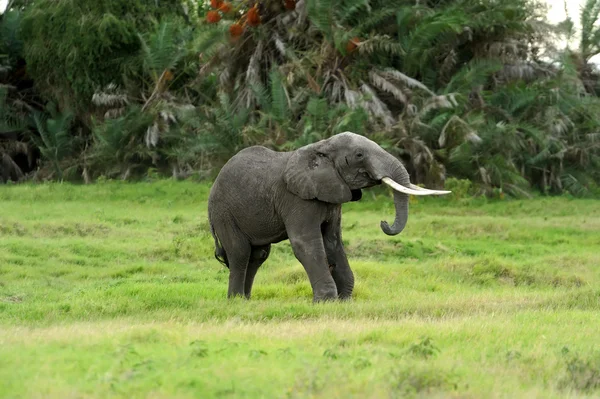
{"x":310,"y":174}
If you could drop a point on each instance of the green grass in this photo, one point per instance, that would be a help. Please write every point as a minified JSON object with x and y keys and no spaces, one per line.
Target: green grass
{"x":112,"y":290}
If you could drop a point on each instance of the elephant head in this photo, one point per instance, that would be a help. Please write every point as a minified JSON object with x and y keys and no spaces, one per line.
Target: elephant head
{"x":336,"y":169}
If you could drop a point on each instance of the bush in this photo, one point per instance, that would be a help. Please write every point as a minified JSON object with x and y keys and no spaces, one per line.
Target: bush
{"x":74,"y":47}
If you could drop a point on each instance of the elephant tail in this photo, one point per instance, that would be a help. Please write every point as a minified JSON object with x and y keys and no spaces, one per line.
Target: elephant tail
{"x":220,"y":254}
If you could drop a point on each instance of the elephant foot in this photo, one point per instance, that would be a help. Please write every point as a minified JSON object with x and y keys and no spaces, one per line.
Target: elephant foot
{"x":326,"y":293}
{"x":345,"y":297}
{"x":235,"y":295}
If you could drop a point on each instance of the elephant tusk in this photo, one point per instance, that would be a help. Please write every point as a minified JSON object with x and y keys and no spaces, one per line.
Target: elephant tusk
{"x":406,"y":190}
{"x":440,"y":192}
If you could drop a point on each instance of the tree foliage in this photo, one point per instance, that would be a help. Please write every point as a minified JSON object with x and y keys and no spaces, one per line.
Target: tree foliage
{"x":74,"y":47}
{"x":455,"y":88}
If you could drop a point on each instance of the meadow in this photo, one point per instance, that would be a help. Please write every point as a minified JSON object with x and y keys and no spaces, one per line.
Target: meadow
{"x":112,"y":290}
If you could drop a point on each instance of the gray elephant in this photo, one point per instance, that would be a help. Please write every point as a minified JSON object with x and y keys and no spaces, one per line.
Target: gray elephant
{"x":262,"y":197}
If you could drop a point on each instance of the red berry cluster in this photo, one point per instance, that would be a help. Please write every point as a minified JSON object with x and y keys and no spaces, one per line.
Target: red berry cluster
{"x":251,"y":17}
{"x":213,"y":16}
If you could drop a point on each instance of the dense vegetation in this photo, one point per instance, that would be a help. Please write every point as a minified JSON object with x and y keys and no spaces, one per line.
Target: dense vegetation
{"x":471,"y":89}
{"x":111,"y":290}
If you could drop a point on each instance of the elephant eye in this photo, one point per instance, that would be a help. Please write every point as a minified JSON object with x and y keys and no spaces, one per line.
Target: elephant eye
{"x":359,"y":155}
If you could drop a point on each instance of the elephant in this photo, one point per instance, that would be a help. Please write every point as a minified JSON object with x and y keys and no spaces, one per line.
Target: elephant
{"x":261,"y":197}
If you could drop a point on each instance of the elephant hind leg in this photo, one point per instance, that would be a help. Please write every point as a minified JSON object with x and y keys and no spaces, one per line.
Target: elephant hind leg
{"x":238,"y":265}
{"x":238,"y":250}
{"x":258,"y":256}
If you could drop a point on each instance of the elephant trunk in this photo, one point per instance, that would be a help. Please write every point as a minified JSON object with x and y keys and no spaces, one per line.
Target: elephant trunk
{"x":390,"y":171}
{"x":398,"y":174}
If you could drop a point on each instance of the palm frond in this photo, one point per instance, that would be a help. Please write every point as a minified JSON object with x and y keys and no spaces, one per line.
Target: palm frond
{"x":320,"y":12}
{"x":407,"y":80}
{"x":279,"y":96}
{"x":379,"y":44}
{"x":588,"y":19}
{"x":110,"y":97}
{"x":161,"y":49}
{"x":439,"y":102}
{"x":385,"y":85}
{"x":348,"y":13}
{"x":375,"y":106}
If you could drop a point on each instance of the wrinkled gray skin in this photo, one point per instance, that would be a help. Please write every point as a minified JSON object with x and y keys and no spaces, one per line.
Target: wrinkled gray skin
{"x":261,"y":197}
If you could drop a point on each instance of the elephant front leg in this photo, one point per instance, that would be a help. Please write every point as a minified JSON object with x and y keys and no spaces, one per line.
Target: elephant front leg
{"x":338,"y":261}
{"x":341,"y":272}
{"x":309,"y":250}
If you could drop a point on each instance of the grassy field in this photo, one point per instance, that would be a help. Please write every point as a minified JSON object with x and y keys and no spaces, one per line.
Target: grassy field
{"x":112,"y":290}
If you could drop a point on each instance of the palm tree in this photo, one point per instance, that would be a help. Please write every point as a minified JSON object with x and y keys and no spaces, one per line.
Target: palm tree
{"x":15,"y":152}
